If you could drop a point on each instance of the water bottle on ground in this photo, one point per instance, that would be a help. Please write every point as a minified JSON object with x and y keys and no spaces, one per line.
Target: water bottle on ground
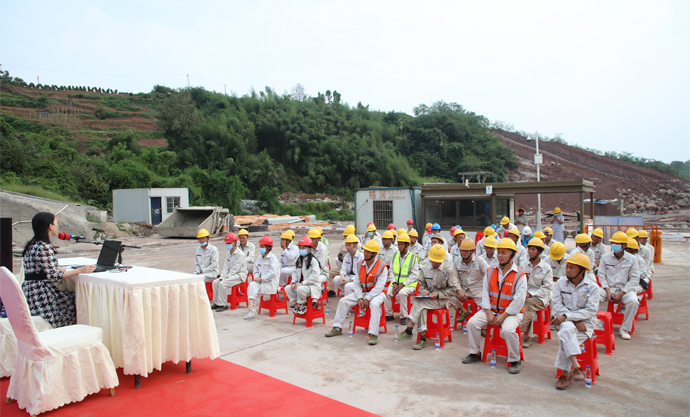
{"x":396,"y":332}
{"x":327,"y":307}
{"x":349,"y":332}
{"x":588,"y":377}
{"x":493,"y":358}
{"x":464,"y":327}
{"x":452,"y":323}
{"x":437,"y":343}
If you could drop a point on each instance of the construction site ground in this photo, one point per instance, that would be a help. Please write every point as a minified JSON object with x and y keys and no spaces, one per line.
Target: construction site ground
{"x":648,"y":375}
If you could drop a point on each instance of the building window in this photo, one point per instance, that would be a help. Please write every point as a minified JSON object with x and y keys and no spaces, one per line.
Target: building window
{"x":171,"y":203}
{"x":383,"y":214}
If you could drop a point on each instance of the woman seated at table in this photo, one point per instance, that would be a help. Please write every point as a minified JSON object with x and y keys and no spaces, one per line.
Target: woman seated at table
{"x":266,"y":275}
{"x":42,"y":273}
{"x":306,"y":278}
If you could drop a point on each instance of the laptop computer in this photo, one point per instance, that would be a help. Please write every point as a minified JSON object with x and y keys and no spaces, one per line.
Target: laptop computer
{"x":108,"y":256}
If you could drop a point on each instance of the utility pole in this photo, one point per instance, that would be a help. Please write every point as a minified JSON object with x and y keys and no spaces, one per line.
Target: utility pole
{"x":538,"y":161}
{"x":188,"y":80}
{"x":38,"y":80}
{"x":225,"y":88}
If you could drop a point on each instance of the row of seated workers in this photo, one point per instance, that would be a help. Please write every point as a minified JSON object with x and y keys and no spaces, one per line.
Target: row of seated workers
{"x":497,"y":282}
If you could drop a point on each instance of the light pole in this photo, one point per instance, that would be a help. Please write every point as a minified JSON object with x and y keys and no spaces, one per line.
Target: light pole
{"x":537,"y":161}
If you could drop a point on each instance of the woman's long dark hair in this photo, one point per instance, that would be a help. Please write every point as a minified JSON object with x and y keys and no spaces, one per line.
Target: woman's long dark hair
{"x":310,"y":256}
{"x":40,"y":224}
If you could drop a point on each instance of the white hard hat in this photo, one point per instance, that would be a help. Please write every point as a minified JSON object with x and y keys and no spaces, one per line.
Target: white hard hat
{"x":526,"y":231}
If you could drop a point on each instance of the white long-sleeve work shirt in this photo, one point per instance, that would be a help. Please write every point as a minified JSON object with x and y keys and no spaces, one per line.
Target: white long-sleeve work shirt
{"x":518,"y":295}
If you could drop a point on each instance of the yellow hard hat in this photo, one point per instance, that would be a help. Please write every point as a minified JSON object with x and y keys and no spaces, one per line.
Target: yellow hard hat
{"x":632,"y":232}
{"x":490,"y":242}
{"x":403,"y":237}
{"x":314,"y":233}
{"x":539,"y":234}
{"x":351,"y":239}
{"x":286,"y":235}
{"x":643,"y":233}
{"x":202,"y":233}
{"x":507,"y":243}
{"x":619,"y":237}
{"x":467,"y":244}
{"x":428,"y":225}
{"x":505,"y":220}
{"x":535,"y":241}
{"x":437,"y":253}
{"x":292,"y":233}
{"x":489,"y":231}
{"x":514,"y":231}
{"x":349,"y":230}
{"x":557,"y":210}
{"x":401,"y":231}
{"x":580,"y":259}
{"x":387,"y":235}
{"x":393,"y":231}
{"x":320,"y":229}
{"x":583,"y":238}
{"x":372,"y":246}
{"x":371,"y":228}
{"x":598,"y":232}
{"x":556,"y":251}
{"x":243,"y":232}
{"x":458,"y":232}
{"x":632,"y":243}
{"x":548,"y":231}
{"x":414,"y":233}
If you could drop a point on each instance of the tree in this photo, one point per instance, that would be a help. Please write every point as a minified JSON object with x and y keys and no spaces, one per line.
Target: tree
{"x":178,"y":116}
{"x":298,"y":92}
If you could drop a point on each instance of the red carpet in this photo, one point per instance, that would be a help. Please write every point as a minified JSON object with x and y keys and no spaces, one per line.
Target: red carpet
{"x":214,"y":388}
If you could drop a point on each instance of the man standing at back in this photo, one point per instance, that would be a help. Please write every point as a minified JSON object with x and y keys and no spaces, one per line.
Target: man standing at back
{"x":557,"y":223}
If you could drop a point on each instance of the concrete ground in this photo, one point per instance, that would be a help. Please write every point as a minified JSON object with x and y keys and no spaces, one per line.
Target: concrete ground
{"x":648,"y":375}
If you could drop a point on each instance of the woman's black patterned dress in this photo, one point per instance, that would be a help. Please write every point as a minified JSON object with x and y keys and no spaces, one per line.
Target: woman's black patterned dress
{"x":57,"y":307}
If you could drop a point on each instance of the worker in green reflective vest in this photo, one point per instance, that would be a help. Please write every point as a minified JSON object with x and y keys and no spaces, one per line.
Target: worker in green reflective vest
{"x":402,"y":274}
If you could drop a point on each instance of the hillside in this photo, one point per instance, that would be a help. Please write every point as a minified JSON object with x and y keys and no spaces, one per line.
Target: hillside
{"x":612,"y":178}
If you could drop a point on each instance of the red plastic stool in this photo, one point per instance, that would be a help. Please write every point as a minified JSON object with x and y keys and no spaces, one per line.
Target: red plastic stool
{"x":324,"y":293}
{"x":209,"y":291}
{"x":617,"y":316}
{"x":238,"y":295}
{"x":441,"y":326}
{"x":589,"y":357}
{"x":274,"y":303}
{"x":311,"y":314}
{"x":605,"y":337}
{"x":363,"y":321}
{"x":495,"y":341}
{"x":649,"y":291}
{"x":643,"y":308}
{"x":542,"y":325}
{"x":467,"y":304}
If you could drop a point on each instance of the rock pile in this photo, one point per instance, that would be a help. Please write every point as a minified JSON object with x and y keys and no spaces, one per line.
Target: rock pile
{"x":671,"y":195}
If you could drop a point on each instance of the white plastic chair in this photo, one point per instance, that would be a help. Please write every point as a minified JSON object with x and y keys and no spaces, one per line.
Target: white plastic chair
{"x":55,"y":367}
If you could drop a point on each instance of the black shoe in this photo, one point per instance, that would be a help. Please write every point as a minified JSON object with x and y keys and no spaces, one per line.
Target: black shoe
{"x":472,"y":357}
{"x":390,"y":318}
{"x":221,"y":309}
{"x":331,"y":293}
{"x":316,"y":306}
{"x":214,"y":307}
{"x":403,"y":321}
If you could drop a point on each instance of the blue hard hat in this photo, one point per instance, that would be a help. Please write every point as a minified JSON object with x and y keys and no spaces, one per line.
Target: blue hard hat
{"x":493,"y":226}
{"x":435,"y":226}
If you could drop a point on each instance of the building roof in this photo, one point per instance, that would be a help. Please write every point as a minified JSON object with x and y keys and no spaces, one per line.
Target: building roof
{"x":508,"y":188}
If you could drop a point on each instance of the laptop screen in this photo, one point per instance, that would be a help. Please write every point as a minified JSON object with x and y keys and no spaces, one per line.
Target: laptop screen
{"x":109,"y":253}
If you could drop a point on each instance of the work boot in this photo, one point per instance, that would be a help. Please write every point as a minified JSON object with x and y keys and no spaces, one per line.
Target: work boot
{"x":315,"y":305}
{"x":420,"y":345}
{"x":250,"y":315}
{"x":335,"y":332}
{"x":403,"y":321}
{"x":331,"y":293}
{"x":221,"y":309}
{"x":527,"y":342}
{"x":403,"y":336}
{"x":515,"y":367}
{"x":214,"y":306}
{"x":462,"y":316}
{"x":472,"y":358}
{"x":564,"y":381}
{"x":578,"y":374}
{"x":624,"y":334}
{"x":373,"y":339}
{"x":390,"y":318}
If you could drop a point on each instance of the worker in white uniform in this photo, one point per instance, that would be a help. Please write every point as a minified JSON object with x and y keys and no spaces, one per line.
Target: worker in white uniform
{"x":458,"y":236}
{"x":326,"y":244}
{"x":427,"y":233}
{"x":489,"y":255}
{"x":436,"y":239}
{"x":288,"y":256}
{"x":488,"y":232}
{"x":598,"y":248}
{"x":619,"y":275}
{"x":306,"y":279}
{"x":521,"y":220}
{"x":335,"y":272}
{"x":471,"y":271}
{"x":438,"y":282}
{"x":525,"y":235}
{"x":645,"y":254}
{"x":574,"y":310}
{"x":371,"y":234}
{"x":247,"y":248}
{"x":548,"y":232}
{"x":540,"y":235}
{"x":415,"y":246}
{"x":557,"y":223}
{"x":410,"y":226}
{"x":539,"y":288}
{"x":234,"y":273}
{"x":266,"y":275}
{"x":388,"y":249}
{"x":451,"y":242}
{"x":556,"y":260}
{"x":345,"y":281}
{"x":320,"y":250}
{"x":402,"y":274}
{"x":633,"y":249}
{"x":505,"y":226}
{"x":206,"y":259}
{"x":644,"y":241}
{"x":583,"y":244}
{"x":503,"y":301}
{"x":521,"y":257}
{"x":369,"y":283}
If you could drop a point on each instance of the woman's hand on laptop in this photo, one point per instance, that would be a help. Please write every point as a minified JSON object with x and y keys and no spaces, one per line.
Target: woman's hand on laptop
{"x":87,"y":269}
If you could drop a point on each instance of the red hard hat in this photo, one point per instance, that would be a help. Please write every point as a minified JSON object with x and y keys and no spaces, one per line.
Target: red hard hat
{"x":230,"y":237}
{"x":391,"y":226}
{"x":410,"y":221}
{"x":428,"y":229}
{"x":370,"y":223}
{"x":452,"y":230}
{"x":305,"y":241}
{"x":266,"y":241}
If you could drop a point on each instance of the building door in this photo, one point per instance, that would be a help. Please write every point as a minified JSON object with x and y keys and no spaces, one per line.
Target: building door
{"x":156,"y":212}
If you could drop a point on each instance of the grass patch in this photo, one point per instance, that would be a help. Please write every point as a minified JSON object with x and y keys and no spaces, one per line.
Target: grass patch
{"x":36,"y":192}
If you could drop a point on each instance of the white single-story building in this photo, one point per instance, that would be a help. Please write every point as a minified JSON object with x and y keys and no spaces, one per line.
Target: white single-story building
{"x":151,"y":205}
{"x":384,"y":206}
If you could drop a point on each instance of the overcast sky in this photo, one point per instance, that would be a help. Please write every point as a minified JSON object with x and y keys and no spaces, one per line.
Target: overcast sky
{"x":610,"y":75}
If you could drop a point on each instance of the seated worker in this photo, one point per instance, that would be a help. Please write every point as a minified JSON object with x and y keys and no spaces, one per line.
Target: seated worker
{"x":539,"y":287}
{"x":288,"y":257}
{"x":574,"y":311}
{"x":619,"y":275}
{"x":402,"y":275}
{"x":583,"y":244}
{"x":369,"y":283}
{"x":307,"y":278}
{"x":471,"y":271}
{"x":597,"y":247}
{"x":427,"y":233}
{"x":549,"y":236}
{"x":505,"y":226}
{"x":644,"y":241}
{"x":372,"y":234}
{"x":556,"y":260}
{"x":292,"y":237}
{"x":234,"y":272}
{"x":643,"y":251}
{"x":320,"y":250}
{"x":326,"y":242}
{"x":388,"y":250}
{"x":439,"y":282}
{"x":415,"y":247}
{"x":503,"y":305}
{"x":540,"y":235}
{"x":451,"y":243}
{"x":410,"y":226}
{"x":206,"y":259}
{"x":489,"y":255}
{"x":525,"y":236}
{"x":266,"y":275}
{"x":521,"y":256}
{"x":632,"y":249}
{"x":521,"y":220}
{"x":334,"y":272}
{"x":247,"y":248}
{"x":458,"y":237}
{"x":488,"y":232}
{"x":436,"y":235}
{"x":345,"y":281}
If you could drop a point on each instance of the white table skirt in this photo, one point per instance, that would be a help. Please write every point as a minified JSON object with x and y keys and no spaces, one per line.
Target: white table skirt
{"x":148,"y":316}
